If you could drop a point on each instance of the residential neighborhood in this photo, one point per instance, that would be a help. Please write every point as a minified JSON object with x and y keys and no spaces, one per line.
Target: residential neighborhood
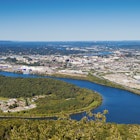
{"x":121,"y":66}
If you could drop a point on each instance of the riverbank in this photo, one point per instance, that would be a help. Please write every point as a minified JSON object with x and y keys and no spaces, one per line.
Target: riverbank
{"x":92,"y":78}
{"x":62,"y":114}
{"x":61,"y":98}
{"x":95,"y":79}
{"x":115,"y":100}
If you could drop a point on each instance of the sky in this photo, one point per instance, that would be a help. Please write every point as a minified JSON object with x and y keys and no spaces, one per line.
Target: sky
{"x":69,"y":20}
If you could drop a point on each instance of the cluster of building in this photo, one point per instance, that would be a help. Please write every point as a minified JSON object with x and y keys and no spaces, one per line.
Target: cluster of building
{"x":121,"y":66}
{"x":14,"y":105}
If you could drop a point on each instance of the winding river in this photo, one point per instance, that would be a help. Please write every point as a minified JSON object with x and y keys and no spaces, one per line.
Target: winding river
{"x":123,"y":106}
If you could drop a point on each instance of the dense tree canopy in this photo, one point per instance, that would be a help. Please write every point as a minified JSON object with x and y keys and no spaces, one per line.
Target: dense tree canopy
{"x":66,"y":129}
{"x":59,"y":96}
{"x":28,"y":87}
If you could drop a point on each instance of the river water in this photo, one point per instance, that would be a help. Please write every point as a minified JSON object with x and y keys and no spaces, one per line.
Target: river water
{"x":123,"y":106}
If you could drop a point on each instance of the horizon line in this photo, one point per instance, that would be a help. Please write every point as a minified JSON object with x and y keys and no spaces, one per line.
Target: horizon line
{"x":66,"y":40}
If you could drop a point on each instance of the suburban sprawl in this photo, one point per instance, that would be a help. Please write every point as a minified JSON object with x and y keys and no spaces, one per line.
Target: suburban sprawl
{"x":106,"y":60}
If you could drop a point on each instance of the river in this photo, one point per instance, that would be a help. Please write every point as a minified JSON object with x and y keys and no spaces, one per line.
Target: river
{"x":123,"y":106}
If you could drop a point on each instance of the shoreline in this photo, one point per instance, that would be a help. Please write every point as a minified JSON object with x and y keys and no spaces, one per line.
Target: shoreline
{"x":89,"y":107}
{"x":90,"y":77}
{"x":97,"y":80}
{"x":60,"y":115}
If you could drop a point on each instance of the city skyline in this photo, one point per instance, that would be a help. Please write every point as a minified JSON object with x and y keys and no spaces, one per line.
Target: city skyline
{"x":69,"y":20}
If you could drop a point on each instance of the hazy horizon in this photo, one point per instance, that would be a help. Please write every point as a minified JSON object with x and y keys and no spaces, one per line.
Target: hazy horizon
{"x":70,"y":41}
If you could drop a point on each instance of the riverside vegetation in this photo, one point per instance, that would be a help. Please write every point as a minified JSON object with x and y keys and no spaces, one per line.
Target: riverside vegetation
{"x":99,"y":80}
{"x":67,"y":129}
{"x":58,"y":96}
{"x":103,"y":81}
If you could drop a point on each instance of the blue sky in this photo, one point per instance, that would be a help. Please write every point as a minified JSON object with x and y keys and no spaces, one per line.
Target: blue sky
{"x":69,"y":20}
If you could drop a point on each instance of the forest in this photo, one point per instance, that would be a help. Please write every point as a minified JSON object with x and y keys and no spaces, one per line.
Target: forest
{"x":59,"y":96}
{"x":67,"y":129}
